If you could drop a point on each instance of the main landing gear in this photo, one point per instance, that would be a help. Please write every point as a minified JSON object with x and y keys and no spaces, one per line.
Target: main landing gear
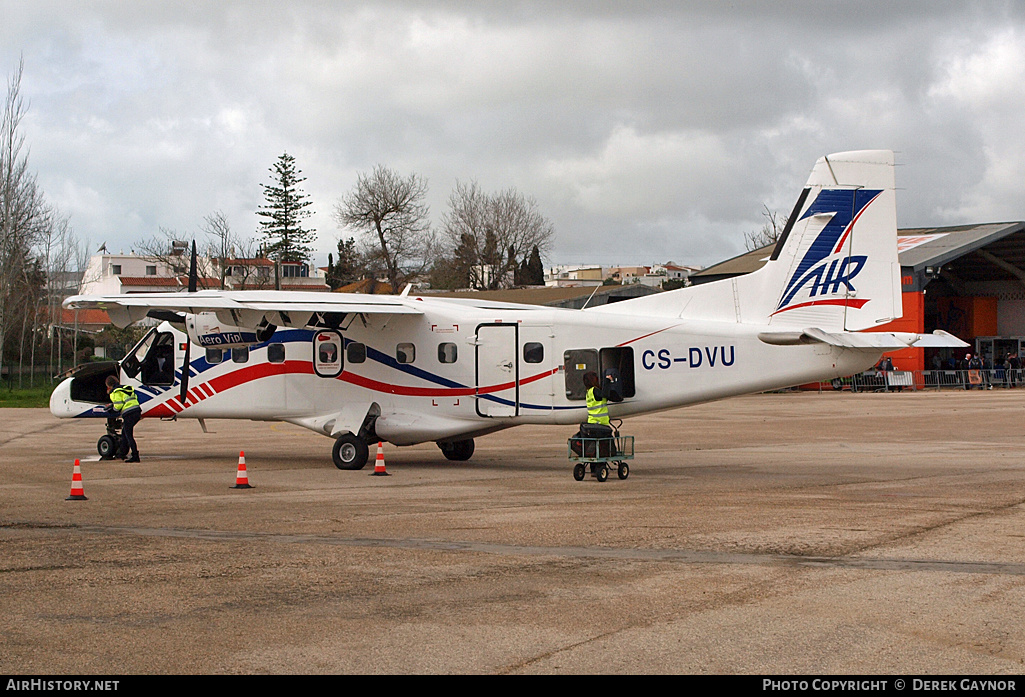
{"x":459,"y":450}
{"x":350,"y":452}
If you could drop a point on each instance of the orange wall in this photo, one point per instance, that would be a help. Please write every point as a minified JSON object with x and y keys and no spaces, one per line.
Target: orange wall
{"x":912,"y":321}
{"x":969,"y":317}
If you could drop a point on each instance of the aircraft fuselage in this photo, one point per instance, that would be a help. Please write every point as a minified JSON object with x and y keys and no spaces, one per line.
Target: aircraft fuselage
{"x":459,"y":370}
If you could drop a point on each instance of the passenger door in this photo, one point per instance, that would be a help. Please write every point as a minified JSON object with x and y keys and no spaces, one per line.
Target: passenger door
{"x":498,"y":390}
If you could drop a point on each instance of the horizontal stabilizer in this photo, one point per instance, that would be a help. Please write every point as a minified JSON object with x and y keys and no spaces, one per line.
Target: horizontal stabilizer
{"x":870,"y":341}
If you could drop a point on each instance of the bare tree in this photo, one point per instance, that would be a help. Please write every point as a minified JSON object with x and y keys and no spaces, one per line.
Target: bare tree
{"x":169,"y":248}
{"x":495,"y":232}
{"x":226,"y":247}
{"x":769,"y":233}
{"x":24,"y":219}
{"x":390,"y":214}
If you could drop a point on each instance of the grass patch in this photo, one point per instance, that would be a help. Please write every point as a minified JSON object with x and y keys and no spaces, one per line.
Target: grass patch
{"x":29,"y":397}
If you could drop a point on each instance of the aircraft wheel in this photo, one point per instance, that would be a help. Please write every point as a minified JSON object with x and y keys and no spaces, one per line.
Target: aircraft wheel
{"x":602,"y":473}
{"x":106,"y":446}
{"x":350,"y":452}
{"x":460,"y":450}
{"x":578,"y":473}
{"x":624,"y":470}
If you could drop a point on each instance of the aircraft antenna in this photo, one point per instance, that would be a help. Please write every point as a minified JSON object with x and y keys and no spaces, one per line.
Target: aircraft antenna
{"x":590,"y":296}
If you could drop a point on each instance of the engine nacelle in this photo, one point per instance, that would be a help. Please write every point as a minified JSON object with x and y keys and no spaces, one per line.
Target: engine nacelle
{"x":207,"y":331}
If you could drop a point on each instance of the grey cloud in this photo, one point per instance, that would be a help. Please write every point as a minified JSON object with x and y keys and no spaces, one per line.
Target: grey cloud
{"x":668,"y":124}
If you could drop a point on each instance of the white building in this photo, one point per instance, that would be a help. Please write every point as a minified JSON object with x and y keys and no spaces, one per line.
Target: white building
{"x":118,"y":274}
{"x":573,"y":276}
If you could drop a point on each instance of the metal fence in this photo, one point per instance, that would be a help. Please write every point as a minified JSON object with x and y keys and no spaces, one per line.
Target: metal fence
{"x":900,"y":380}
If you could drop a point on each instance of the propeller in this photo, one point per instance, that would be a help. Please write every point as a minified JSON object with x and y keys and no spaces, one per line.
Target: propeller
{"x":193,"y":282}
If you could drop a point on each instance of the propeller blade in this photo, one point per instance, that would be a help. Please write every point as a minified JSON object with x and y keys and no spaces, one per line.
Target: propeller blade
{"x":193,"y":283}
{"x":193,"y":278}
{"x":185,"y":374}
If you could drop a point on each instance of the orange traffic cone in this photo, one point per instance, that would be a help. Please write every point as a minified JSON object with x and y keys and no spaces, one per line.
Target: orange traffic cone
{"x":242,"y":478}
{"x":379,"y":465}
{"x":77,"y":492}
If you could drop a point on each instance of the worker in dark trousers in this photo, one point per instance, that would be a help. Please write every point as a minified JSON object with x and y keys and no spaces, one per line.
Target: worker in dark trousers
{"x":124,"y":402}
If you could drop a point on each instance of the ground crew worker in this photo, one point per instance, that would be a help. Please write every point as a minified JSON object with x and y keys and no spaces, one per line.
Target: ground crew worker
{"x":124,"y":402}
{"x":597,"y":400}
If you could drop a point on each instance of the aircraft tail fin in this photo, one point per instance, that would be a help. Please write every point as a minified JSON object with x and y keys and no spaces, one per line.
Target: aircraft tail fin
{"x":834,"y":267}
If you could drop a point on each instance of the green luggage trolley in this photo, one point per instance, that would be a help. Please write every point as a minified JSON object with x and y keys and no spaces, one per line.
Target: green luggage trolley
{"x":600,"y":450}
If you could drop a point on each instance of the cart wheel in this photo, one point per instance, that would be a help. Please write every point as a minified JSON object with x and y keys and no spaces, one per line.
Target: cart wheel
{"x":624,"y":470}
{"x":578,"y":473}
{"x":602,"y":473}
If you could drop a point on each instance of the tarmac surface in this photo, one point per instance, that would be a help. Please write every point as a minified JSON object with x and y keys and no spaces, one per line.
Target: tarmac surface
{"x":797,"y":533}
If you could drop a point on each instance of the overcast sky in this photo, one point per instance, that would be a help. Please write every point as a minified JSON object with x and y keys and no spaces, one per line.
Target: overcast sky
{"x":645,"y":131}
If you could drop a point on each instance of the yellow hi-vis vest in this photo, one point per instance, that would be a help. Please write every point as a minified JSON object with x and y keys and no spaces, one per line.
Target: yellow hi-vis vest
{"x":123,"y":399}
{"x":597,"y":410}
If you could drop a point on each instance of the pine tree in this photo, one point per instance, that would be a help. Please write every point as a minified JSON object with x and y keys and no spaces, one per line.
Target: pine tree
{"x":535,"y":271}
{"x":287,"y":206}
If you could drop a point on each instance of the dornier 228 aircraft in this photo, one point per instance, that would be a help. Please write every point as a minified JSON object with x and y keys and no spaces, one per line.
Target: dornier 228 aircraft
{"x":407,"y":370}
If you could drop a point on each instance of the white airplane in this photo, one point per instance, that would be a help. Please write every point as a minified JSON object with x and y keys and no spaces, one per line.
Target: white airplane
{"x":407,"y":370}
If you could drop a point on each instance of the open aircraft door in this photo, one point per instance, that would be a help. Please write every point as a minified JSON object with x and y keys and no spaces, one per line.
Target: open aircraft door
{"x":498,"y":370}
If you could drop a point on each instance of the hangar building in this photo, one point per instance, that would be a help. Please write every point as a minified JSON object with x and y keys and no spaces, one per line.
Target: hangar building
{"x":968,"y":280}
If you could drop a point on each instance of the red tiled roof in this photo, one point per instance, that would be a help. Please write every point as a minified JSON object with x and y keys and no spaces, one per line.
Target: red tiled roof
{"x":166,"y":282}
{"x":84,"y":317}
{"x":308,"y":287}
{"x":248,"y":262}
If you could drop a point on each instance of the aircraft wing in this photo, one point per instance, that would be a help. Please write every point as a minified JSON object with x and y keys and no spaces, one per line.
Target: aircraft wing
{"x":885,"y":341}
{"x":248,"y":308}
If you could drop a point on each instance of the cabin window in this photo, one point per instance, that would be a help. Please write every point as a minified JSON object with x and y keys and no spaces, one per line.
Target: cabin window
{"x":327,"y":354}
{"x":577,"y":363}
{"x":405,"y":353}
{"x":214,"y":355}
{"x":276,"y":353}
{"x":447,"y":352}
{"x":356,"y":352}
{"x":240,"y":355}
{"x":533,"y":352}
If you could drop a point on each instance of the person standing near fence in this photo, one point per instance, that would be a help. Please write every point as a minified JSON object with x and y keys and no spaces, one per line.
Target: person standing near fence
{"x":1013,"y":369}
{"x":973,"y":372}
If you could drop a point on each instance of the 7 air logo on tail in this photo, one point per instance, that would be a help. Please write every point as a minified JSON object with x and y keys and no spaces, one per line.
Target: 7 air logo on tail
{"x":828,"y":268}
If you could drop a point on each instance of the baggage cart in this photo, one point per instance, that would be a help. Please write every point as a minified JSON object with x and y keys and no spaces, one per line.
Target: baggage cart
{"x":599,"y":453}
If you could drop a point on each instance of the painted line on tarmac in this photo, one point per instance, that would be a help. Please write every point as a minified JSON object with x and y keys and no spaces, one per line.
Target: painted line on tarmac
{"x":624,"y":553}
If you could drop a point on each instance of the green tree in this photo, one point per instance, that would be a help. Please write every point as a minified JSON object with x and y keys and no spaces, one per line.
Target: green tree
{"x":286,"y":208}
{"x":349,"y":267}
{"x":534,"y":271}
